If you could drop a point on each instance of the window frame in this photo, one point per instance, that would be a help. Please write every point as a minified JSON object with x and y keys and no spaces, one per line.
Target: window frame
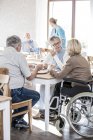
{"x":73,"y":15}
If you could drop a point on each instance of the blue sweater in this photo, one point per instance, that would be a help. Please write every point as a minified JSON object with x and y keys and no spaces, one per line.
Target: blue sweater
{"x":32,"y":47}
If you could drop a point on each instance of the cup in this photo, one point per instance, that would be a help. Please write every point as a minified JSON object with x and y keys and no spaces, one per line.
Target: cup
{"x":51,"y":67}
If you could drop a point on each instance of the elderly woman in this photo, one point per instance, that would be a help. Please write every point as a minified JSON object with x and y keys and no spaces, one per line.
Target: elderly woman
{"x":76,"y":67}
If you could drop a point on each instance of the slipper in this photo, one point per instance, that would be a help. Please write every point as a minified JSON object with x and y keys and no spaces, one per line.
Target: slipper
{"x":38,"y":116}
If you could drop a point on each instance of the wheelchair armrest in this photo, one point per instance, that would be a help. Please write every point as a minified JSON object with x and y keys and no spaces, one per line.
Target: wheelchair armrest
{"x":78,"y":81}
{"x":90,"y":81}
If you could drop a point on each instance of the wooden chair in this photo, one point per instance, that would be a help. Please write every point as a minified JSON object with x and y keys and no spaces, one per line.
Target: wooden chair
{"x":4,"y":79}
{"x":3,"y":85}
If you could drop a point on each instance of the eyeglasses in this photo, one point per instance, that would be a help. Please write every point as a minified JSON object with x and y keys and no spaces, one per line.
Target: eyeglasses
{"x":56,"y":43}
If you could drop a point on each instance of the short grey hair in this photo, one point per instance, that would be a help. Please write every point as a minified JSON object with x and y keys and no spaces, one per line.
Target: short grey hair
{"x":13,"y":41}
{"x":53,"y":39}
{"x":74,"y":47}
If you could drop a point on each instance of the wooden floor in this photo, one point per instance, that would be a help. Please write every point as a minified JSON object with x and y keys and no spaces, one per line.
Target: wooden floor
{"x":39,"y":134}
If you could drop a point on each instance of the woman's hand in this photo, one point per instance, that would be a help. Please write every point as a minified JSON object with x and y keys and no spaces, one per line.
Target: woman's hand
{"x":45,"y":66}
{"x":52,"y":72}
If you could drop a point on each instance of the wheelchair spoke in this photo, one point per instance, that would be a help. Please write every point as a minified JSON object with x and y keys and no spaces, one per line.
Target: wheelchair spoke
{"x":80,"y":114}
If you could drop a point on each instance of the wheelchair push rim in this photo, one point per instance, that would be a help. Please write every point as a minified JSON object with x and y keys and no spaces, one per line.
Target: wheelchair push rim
{"x":80,"y":114}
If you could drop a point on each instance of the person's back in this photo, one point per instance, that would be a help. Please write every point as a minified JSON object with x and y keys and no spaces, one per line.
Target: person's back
{"x":78,"y":68}
{"x":16,"y":63}
{"x":11,"y":59}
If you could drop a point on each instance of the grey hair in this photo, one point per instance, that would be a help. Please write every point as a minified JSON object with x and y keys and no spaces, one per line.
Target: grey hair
{"x":13,"y":41}
{"x":74,"y":47}
{"x":54,"y":38}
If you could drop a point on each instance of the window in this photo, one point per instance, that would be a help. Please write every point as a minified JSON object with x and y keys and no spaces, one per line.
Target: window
{"x":74,"y":17}
{"x":82,"y":20}
{"x":62,"y":11}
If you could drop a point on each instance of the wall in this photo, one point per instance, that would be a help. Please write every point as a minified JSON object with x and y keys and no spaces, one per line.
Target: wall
{"x":41,"y":22}
{"x":17,"y":17}
{"x":90,"y":52}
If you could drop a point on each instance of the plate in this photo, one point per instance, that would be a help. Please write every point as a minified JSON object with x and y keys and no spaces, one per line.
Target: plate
{"x":43,"y":71}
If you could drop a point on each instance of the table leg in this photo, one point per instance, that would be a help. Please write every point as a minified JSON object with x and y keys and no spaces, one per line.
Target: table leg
{"x":47,"y":98}
{"x":6,"y":121}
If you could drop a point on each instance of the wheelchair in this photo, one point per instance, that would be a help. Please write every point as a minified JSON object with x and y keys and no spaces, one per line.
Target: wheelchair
{"x":76,"y":109}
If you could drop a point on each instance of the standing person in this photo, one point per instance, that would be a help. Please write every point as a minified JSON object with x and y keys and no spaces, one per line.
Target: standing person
{"x":57,"y":31}
{"x":29,"y":45}
{"x":15,"y":62}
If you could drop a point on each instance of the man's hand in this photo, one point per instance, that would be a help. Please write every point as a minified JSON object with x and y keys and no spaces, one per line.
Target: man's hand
{"x":39,"y":67}
{"x":35,"y":71}
{"x":53,"y":53}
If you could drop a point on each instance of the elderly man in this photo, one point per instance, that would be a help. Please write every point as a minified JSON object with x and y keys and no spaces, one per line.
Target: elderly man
{"x":56,"y":55}
{"x":58,"y":31}
{"x":29,"y":45}
{"x":53,"y":59}
{"x":16,"y":63}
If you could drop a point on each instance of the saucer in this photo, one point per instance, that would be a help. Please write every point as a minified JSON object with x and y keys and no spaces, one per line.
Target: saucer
{"x":43,"y":71}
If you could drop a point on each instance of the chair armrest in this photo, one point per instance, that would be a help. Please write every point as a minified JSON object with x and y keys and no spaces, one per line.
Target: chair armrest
{"x":78,"y":81}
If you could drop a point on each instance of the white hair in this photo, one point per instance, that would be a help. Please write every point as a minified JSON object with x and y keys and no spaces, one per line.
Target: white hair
{"x":73,"y":47}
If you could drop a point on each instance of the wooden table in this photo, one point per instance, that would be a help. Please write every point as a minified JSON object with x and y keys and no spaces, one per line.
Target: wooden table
{"x":5,"y":109}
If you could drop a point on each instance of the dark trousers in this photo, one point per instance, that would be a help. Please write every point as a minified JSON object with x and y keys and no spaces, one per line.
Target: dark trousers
{"x":23,"y":94}
{"x":67,"y":90}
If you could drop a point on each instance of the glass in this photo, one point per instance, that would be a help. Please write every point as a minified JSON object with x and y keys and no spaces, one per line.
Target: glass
{"x":51,"y":67}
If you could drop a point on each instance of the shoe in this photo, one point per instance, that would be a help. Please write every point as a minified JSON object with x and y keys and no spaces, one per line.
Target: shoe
{"x":52,"y":117}
{"x":20,"y":124}
{"x":22,"y":121}
{"x":38,"y":116}
{"x":14,"y":121}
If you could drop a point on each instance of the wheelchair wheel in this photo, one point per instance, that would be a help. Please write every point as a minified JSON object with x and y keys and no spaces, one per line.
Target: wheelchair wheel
{"x":75,"y":116}
{"x":80,"y":114}
{"x":60,"y":123}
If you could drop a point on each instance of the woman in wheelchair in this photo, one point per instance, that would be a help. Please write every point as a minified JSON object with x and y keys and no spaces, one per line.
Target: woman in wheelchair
{"x":76,"y":80}
{"x":77,"y":68}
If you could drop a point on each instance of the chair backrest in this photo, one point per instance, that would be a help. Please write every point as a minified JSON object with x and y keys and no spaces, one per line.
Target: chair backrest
{"x":4,"y":71}
{"x":4,"y":80}
{"x":4,"y":88}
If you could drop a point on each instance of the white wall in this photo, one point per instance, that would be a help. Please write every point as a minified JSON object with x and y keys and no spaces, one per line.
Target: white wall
{"x":41,"y":22}
{"x":17,"y":17}
{"x":90,"y":52}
